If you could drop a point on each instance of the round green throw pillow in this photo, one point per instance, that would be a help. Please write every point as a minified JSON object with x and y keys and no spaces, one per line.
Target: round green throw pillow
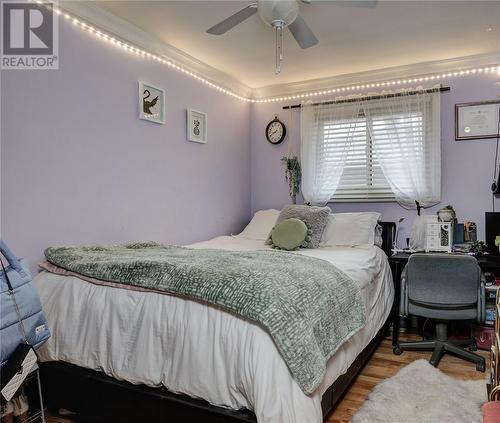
{"x":290,"y":235}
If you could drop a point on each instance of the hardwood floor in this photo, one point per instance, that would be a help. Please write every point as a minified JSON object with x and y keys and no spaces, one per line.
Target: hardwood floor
{"x":382,"y":365}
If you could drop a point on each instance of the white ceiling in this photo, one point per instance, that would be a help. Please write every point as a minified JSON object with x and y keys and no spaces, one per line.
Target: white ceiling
{"x":351,"y":39}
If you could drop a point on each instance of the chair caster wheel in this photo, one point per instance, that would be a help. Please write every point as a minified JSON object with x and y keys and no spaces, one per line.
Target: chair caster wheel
{"x":397,"y":351}
{"x":481,"y":367}
{"x":473,"y":347}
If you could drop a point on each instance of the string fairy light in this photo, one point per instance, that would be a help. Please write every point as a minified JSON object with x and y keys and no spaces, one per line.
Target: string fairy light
{"x":107,"y":37}
{"x":137,"y":50}
{"x":385,"y":84}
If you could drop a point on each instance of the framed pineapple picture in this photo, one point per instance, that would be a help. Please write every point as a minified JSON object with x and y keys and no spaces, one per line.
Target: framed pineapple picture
{"x":151,"y":103}
{"x":196,"y":126}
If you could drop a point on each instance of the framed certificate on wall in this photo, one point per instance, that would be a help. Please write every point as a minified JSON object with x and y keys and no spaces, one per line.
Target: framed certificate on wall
{"x":477,"y":120}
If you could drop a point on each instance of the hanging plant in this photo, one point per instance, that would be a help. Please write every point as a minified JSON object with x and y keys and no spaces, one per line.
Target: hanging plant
{"x":293,"y":176}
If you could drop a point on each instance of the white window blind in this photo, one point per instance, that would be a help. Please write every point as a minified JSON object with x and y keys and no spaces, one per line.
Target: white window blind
{"x":362,"y":177}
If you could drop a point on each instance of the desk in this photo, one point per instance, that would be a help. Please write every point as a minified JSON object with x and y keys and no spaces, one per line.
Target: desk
{"x":398,"y":262}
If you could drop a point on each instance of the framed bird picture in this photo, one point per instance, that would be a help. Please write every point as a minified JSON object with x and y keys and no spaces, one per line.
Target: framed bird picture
{"x":151,"y":103}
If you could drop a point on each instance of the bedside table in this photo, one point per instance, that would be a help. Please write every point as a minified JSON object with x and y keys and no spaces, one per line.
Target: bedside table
{"x":398,"y":262}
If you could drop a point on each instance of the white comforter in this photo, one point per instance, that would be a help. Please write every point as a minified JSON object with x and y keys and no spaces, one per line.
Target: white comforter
{"x":199,"y":350}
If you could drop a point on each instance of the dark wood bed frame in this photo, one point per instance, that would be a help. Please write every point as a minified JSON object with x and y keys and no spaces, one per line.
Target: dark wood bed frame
{"x":95,"y":397}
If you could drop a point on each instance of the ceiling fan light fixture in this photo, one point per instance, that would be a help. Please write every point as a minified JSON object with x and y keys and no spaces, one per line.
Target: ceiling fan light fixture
{"x":278,"y":12}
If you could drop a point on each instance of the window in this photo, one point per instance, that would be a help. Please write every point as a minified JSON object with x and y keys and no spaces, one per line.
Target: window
{"x":374,"y":149}
{"x":362,"y":177}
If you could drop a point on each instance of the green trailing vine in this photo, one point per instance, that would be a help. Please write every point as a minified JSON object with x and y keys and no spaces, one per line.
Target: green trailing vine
{"x":293,"y":175}
{"x":478,"y":247}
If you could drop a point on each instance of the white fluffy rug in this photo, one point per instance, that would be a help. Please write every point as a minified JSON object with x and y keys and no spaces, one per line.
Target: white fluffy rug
{"x":421,"y":393}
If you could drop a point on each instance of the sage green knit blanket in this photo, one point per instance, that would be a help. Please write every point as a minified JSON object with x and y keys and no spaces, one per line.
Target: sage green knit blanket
{"x":307,"y":305}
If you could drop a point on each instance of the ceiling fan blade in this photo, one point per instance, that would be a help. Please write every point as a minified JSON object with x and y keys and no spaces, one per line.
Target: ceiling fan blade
{"x":302,"y":33}
{"x":233,"y":20}
{"x":348,"y":3}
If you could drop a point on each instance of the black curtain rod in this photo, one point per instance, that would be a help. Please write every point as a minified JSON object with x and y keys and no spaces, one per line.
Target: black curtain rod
{"x":373,"y":97}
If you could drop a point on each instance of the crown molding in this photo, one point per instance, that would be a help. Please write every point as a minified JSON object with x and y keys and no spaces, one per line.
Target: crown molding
{"x":122,"y":29}
{"x":398,"y":72}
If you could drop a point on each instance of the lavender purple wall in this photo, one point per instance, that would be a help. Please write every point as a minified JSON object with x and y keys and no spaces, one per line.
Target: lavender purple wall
{"x":78,"y":166}
{"x":467,"y":166}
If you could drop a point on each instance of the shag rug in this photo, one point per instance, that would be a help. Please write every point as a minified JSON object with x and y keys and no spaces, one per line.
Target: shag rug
{"x":421,"y":393}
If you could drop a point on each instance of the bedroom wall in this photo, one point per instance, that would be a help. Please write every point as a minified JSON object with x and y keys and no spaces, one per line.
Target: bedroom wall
{"x":467,"y":166}
{"x":78,"y":166}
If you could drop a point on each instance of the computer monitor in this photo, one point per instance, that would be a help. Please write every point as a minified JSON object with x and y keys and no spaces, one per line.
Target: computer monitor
{"x":492,"y":228}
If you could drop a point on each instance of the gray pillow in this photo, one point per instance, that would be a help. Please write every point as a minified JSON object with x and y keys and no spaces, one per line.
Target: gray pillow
{"x":314,"y":217}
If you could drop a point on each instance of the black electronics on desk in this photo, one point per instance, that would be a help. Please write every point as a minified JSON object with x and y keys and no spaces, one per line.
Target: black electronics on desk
{"x":492,"y":231}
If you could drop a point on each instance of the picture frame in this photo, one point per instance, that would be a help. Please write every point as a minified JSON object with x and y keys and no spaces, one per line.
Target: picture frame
{"x":151,"y":103}
{"x":477,"y":120}
{"x":196,"y":128}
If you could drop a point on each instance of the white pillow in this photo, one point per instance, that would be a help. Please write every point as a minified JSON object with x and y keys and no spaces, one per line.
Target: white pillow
{"x":261,"y":224}
{"x":349,"y":229}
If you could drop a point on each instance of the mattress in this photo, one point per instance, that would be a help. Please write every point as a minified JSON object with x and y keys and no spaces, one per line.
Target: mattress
{"x":197,"y":349}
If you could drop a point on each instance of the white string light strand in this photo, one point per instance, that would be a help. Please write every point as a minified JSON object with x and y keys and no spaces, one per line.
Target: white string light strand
{"x":392,"y":83}
{"x":318,"y":93}
{"x":139,"y":51}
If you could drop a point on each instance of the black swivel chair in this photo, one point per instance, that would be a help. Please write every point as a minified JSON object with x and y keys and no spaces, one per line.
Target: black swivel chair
{"x":443,"y":287}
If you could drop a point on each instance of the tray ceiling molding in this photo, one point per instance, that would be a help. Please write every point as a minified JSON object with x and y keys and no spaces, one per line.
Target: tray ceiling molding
{"x":122,"y":29}
{"x":378,"y":75}
{"x":106,"y":21}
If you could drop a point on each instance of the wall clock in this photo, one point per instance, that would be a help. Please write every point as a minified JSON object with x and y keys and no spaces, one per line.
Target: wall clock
{"x":275,"y":131}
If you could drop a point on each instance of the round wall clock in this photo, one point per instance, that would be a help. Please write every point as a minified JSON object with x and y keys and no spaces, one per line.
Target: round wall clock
{"x":275,"y":131}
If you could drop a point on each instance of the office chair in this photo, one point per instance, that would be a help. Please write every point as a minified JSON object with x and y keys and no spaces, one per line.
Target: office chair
{"x":443,"y":287}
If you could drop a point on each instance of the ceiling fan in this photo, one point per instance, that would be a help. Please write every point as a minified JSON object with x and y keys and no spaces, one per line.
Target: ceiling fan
{"x":281,"y":14}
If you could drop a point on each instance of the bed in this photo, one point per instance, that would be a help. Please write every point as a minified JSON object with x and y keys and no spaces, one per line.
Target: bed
{"x":124,"y":346}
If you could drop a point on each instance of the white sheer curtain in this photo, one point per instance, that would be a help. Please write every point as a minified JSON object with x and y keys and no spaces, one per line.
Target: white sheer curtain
{"x":324,"y":148}
{"x":406,"y":136}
